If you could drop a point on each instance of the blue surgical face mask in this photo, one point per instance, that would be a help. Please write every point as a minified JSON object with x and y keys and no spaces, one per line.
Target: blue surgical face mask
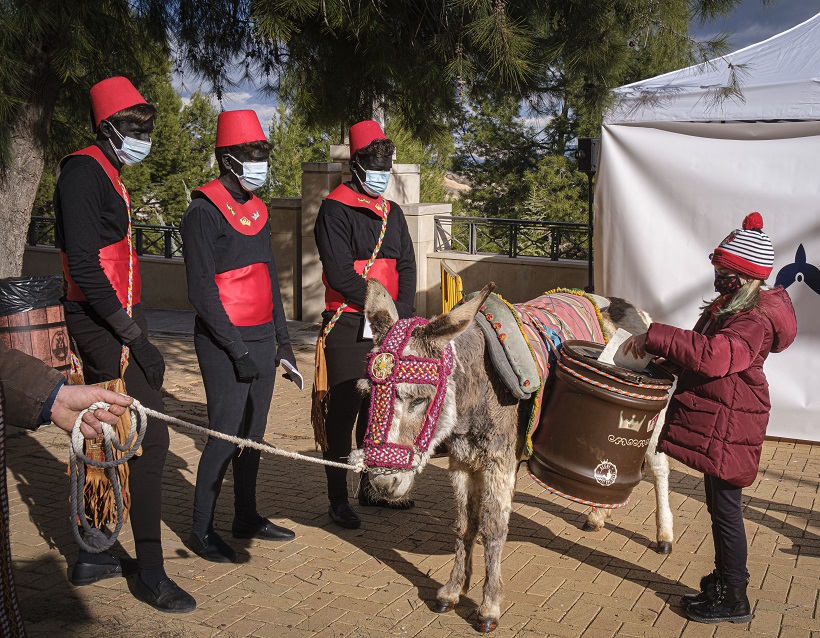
{"x":375,"y":182}
{"x":132,"y":150}
{"x":253,"y":174}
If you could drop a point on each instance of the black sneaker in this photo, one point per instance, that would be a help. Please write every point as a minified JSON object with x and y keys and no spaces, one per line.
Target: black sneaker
{"x":167,"y":596}
{"x":212,"y":548}
{"x":344,"y":515}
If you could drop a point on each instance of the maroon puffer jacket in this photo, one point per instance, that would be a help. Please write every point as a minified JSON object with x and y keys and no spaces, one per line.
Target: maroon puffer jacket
{"x":717,"y":418}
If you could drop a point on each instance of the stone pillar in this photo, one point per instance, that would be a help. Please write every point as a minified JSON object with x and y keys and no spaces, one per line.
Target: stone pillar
{"x":421,"y":224}
{"x":318,"y":179}
{"x":286,"y":241}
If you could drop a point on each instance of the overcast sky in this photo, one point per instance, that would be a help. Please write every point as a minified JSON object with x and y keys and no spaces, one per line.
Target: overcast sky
{"x":751,"y":22}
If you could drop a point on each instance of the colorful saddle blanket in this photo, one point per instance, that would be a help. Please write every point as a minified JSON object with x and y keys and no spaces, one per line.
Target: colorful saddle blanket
{"x":517,"y":339}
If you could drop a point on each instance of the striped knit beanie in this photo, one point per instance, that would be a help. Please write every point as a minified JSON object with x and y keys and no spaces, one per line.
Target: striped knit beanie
{"x":747,"y":250}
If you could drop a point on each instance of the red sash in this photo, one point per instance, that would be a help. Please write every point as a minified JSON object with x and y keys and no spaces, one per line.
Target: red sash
{"x":114,"y":257}
{"x":349,"y":197}
{"x":248,"y":218}
{"x":384,"y":270}
{"x":246,"y":294}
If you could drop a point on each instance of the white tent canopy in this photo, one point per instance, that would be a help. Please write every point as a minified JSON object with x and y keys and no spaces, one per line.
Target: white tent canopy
{"x":680,"y":168}
{"x":779,"y":80}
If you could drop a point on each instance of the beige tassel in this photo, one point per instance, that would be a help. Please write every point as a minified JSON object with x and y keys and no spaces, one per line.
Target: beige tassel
{"x":319,"y":396}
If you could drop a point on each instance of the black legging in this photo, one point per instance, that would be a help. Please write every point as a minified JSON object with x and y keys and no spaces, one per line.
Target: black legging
{"x":99,"y":350}
{"x":723,"y":502}
{"x":235,"y":408}
{"x":346,"y":407}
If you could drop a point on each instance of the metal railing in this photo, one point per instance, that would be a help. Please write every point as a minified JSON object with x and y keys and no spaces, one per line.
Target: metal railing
{"x":162,"y":241}
{"x":512,"y":237}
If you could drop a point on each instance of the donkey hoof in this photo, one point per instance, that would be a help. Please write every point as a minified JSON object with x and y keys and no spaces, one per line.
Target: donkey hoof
{"x":443,"y":606}
{"x":486,"y":625}
{"x":664,"y":547}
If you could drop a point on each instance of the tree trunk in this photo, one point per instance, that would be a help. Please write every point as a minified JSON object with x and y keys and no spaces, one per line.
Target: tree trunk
{"x":21,"y":177}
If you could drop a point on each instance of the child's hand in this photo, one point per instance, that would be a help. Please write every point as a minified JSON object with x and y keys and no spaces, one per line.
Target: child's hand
{"x":636,"y":345}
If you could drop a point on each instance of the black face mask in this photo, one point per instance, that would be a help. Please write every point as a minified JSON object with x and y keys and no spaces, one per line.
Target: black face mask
{"x":727,"y":284}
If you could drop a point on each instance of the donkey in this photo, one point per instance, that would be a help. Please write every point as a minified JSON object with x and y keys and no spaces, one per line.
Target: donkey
{"x":479,"y":420}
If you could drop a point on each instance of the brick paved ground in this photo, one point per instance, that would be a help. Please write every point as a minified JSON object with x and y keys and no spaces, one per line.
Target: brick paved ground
{"x":380,"y":579}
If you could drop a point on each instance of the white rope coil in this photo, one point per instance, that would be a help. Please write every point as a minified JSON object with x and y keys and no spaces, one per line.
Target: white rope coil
{"x":94,"y":540}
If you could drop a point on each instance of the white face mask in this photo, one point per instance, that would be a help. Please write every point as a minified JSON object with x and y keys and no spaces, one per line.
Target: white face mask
{"x":132,"y":150}
{"x":253,"y":174}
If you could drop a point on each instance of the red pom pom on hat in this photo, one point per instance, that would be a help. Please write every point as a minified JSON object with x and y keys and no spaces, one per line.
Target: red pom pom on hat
{"x":753,"y":221}
{"x":238,"y":127}
{"x":112,"y":96}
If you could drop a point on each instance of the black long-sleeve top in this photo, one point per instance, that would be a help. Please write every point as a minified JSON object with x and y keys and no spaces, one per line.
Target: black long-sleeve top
{"x":91,"y":214}
{"x":211,"y":246}
{"x":344,"y":235}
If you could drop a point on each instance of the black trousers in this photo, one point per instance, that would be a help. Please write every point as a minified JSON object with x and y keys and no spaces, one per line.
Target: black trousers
{"x":346,"y":408}
{"x":236,"y":408}
{"x":99,"y":350}
{"x":723,"y":502}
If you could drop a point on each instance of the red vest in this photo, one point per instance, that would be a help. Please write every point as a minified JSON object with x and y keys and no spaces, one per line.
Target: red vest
{"x":114,"y":258}
{"x":246,"y":293}
{"x":384,"y":270}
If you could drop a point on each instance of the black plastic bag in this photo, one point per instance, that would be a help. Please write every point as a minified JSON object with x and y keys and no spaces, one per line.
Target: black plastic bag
{"x":21,"y":294}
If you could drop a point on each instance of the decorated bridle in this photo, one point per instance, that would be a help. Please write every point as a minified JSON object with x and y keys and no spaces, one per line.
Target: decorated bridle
{"x":386,"y":368}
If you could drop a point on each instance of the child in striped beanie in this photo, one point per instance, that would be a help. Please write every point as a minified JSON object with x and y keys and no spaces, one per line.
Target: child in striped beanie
{"x":716,"y":420}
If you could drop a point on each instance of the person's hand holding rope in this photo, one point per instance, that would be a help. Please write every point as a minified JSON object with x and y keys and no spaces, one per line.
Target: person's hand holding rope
{"x":73,"y":399}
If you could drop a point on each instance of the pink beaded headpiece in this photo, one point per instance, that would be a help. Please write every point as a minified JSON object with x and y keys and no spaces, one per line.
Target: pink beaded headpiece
{"x":386,"y":368}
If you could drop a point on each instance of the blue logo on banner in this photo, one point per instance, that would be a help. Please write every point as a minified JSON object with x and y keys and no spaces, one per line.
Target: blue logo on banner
{"x":799,"y":271}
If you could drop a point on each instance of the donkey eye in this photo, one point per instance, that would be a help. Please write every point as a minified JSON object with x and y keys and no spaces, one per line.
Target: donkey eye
{"x":416,"y":403}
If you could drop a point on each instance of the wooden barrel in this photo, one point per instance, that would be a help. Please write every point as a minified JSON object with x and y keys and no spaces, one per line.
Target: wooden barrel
{"x":39,"y":330}
{"x":595,"y":426}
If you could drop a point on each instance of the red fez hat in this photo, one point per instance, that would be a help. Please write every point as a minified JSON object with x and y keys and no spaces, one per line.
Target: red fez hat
{"x":113,"y":95}
{"x":362,"y":133}
{"x":238,"y":127}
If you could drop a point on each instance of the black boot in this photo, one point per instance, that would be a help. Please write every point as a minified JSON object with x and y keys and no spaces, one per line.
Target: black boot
{"x":731,"y":604}
{"x":708,"y":591}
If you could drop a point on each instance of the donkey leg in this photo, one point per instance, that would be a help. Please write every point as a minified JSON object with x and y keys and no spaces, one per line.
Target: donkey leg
{"x":467,"y":512}
{"x":659,"y":466}
{"x":596,"y":519}
{"x":498,"y":486}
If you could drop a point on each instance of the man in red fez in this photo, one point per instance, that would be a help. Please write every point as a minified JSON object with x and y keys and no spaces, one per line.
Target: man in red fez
{"x":105,"y":318}
{"x":240,"y":333}
{"x":356,"y":225}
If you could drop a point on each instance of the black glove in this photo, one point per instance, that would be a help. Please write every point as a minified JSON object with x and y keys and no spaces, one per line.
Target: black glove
{"x":285,"y":351}
{"x":246,"y":369}
{"x":149,"y":359}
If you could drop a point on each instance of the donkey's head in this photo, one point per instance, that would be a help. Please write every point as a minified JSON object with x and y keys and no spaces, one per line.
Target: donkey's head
{"x":413,"y":407}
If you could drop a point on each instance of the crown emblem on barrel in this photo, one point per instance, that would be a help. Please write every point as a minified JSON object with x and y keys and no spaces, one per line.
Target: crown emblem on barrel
{"x":630,"y":423}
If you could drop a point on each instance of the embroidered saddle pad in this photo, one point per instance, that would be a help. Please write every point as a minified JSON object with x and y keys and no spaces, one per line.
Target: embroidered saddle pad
{"x":516,"y":337}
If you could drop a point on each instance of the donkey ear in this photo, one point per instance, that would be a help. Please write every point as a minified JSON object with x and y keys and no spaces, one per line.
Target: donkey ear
{"x":444,"y":328}
{"x":380,"y":310}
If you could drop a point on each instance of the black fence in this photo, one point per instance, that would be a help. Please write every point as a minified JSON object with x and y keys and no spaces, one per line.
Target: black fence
{"x":512,"y":237}
{"x":162,"y":241}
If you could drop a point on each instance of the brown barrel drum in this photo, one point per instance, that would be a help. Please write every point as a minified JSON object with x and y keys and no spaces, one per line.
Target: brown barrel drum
{"x":595,"y":426}
{"x":39,"y":327}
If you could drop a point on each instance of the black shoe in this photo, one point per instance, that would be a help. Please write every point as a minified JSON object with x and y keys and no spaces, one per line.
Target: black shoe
{"x":708,"y":591}
{"x":264,"y":529}
{"x":212,"y":548}
{"x":345,"y":516}
{"x":368,"y":497}
{"x":731,"y":604}
{"x":89,"y":573}
{"x":168,"y":596}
